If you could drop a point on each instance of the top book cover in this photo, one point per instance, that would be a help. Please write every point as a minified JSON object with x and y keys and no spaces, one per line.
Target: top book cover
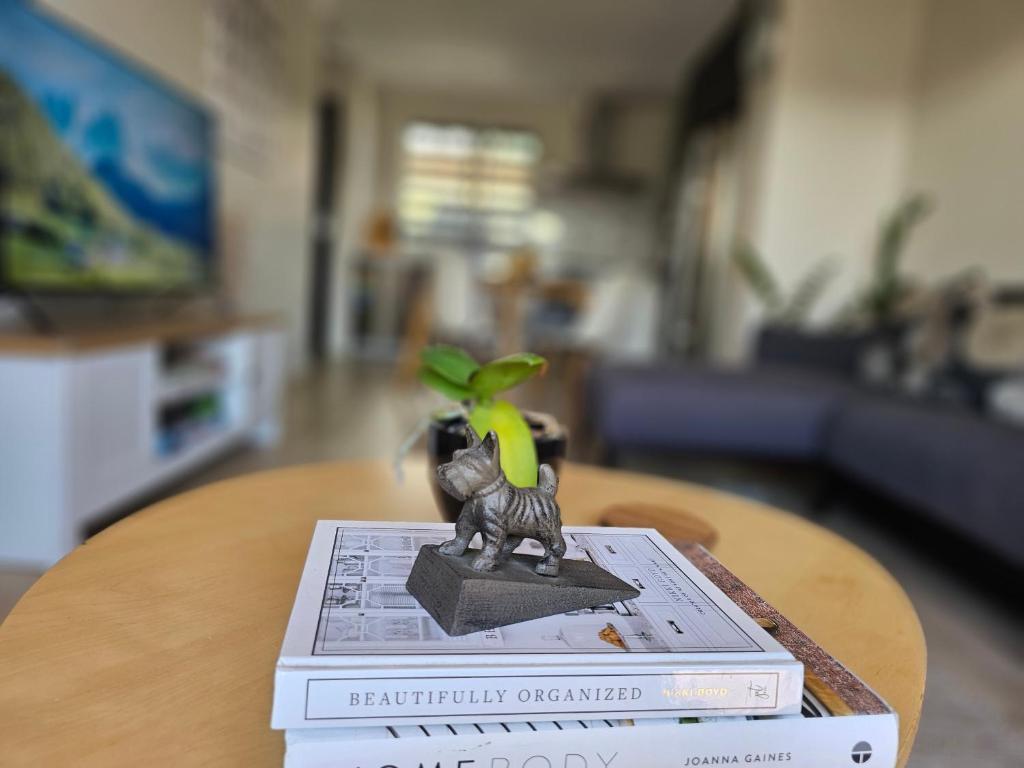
{"x":360,"y":650}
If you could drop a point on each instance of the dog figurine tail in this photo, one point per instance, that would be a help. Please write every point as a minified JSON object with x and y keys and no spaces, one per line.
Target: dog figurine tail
{"x":547,"y":481}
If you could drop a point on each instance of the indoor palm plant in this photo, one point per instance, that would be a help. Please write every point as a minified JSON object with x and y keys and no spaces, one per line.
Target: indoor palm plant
{"x":880,"y":302}
{"x":790,"y":311}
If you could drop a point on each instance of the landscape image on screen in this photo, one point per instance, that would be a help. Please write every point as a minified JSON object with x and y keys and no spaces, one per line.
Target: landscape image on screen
{"x":105,"y":172}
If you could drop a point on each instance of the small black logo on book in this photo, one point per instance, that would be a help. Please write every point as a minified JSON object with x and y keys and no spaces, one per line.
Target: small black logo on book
{"x":861,"y":752}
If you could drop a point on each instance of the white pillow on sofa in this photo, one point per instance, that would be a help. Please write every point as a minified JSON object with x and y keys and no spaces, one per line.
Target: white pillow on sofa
{"x":1006,"y":400}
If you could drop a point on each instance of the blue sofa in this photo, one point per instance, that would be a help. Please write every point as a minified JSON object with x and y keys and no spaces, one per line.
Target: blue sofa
{"x":950,"y":463}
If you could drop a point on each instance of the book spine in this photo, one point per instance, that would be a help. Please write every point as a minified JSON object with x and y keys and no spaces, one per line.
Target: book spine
{"x":793,"y":742}
{"x":307,"y":698}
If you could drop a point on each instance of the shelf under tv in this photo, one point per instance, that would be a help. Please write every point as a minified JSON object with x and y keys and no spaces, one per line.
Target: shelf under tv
{"x":84,"y":413}
{"x":189,"y":384}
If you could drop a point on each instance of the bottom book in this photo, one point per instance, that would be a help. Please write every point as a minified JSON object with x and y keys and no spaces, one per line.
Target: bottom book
{"x":813,"y":739}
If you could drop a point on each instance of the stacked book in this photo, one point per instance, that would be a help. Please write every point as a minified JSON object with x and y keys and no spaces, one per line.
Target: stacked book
{"x":697,"y":670}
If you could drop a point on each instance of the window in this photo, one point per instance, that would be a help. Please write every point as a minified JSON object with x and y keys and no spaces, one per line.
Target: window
{"x":470,"y":186}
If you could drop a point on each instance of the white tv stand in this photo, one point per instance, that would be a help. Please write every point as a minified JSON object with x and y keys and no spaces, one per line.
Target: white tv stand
{"x":91,"y":421}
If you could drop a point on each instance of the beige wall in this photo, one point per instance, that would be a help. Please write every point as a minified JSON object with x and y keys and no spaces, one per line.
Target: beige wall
{"x":166,"y":36}
{"x":824,"y":152}
{"x":641,"y":139}
{"x":264,"y":211}
{"x":967,"y":147}
{"x":864,"y":104}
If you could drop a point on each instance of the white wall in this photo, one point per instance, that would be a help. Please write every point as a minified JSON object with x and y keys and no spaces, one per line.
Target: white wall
{"x":824,"y":151}
{"x":264,"y":211}
{"x":967,"y":147}
{"x":869,"y":102}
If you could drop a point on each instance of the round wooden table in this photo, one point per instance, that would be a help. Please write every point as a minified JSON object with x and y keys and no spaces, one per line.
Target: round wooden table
{"x":155,"y":641}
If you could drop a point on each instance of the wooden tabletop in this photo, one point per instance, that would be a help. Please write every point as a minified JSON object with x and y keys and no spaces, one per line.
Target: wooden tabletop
{"x":155,"y":641}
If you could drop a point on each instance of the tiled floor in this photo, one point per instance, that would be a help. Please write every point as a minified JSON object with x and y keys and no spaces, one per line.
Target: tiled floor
{"x":13,"y":584}
{"x":972,"y":713}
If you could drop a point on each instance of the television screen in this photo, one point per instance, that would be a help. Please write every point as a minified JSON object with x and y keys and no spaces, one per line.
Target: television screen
{"x":106,"y":172}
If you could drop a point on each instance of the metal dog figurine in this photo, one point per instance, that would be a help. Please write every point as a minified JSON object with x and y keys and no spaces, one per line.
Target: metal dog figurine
{"x":502,"y":513}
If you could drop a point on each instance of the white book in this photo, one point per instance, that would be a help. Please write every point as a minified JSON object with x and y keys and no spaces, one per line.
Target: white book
{"x":813,"y":739}
{"x":359,"y":650}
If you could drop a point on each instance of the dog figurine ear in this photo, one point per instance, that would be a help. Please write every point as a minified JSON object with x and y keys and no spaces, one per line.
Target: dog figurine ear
{"x":491,"y":444}
{"x":472,"y":437}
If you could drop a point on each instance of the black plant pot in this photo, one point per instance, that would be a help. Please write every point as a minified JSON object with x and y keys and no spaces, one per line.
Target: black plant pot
{"x":447,"y":436}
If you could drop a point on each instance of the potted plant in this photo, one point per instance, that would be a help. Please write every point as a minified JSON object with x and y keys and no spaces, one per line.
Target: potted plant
{"x":884,"y":308}
{"x":527,"y":439}
{"x":867,"y":334}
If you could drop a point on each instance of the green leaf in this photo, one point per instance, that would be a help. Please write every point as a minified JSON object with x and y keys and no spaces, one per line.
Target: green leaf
{"x":758,"y":276}
{"x":518,"y":453}
{"x":453,"y":363}
{"x":449,"y":389}
{"x":895,"y":233}
{"x":889,"y":286}
{"x":807,"y":292}
{"x":505,"y":373}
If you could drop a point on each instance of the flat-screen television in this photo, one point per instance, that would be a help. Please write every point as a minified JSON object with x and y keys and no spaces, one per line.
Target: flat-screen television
{"x":106,"y":171}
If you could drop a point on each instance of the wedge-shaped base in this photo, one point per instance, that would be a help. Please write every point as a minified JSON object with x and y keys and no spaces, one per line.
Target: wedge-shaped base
{"x":462,"y":600}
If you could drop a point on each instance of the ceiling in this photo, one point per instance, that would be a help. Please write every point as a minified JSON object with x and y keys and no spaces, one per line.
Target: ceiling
{"x":609,"y":45}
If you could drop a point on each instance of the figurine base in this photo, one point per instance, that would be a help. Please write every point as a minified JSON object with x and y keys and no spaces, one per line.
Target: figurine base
{"x":462,"y":600}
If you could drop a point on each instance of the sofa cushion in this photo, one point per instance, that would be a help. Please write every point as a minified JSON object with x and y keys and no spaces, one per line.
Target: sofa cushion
{"x":780,"y":413}
{"x":836,"y":353}
{"x":963,"y":469}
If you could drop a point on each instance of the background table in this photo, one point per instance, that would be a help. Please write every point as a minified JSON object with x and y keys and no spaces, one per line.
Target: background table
{"x":155,"y":641}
